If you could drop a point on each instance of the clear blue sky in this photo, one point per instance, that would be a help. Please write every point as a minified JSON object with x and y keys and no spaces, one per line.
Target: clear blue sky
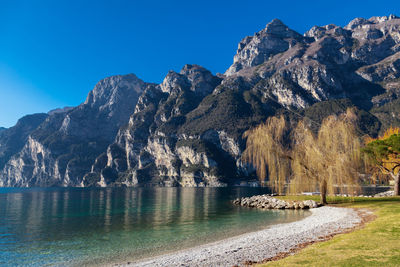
{"x":52,"y":53}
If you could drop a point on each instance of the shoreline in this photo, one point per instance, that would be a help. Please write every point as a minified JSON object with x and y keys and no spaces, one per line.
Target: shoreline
{"x":263,"y":245}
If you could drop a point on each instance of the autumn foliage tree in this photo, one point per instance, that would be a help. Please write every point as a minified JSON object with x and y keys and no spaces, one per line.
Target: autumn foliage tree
{"x":306,"y":160}
{"x":384,"y":154}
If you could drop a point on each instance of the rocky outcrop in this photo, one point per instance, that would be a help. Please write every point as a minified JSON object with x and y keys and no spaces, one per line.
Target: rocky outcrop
{"x":255,"y":50}
{"x":60,"y":110}
{"x":188,"y":130}
{"x":386,"y":73}
{"x":269,"y":202}
{"x":13,"y":139}
{"x":33,"y":166}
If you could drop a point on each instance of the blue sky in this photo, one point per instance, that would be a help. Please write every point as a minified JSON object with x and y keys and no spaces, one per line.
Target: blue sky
{"x":52,"y":53}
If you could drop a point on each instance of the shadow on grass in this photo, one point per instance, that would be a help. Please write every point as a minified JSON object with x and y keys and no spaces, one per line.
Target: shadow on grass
{"x":375,"y":244}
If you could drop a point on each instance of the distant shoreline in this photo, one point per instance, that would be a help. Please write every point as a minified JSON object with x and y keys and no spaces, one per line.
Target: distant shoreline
{"x":261,"y":245}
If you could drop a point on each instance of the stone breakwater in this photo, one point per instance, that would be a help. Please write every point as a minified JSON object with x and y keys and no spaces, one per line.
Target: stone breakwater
{"x":268,"y":202}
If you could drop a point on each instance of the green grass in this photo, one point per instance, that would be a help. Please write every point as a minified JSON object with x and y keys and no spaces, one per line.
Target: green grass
{"x":376,"y":244}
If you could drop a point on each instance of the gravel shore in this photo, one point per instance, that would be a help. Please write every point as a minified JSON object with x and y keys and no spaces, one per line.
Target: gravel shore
{"x":260,"y":245}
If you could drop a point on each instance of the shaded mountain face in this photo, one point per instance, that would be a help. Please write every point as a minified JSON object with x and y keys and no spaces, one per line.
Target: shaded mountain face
{"x":14,"y":138}
{"x":62,"y":148}
{"x":187,"y":131}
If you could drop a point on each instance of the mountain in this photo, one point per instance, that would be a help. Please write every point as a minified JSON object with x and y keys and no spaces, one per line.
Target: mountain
{"x":62,"y":148}
{"x":187,"y":131}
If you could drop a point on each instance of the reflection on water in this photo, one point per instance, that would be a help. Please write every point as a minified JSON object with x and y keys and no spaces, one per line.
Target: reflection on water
{"x":76,"y":226}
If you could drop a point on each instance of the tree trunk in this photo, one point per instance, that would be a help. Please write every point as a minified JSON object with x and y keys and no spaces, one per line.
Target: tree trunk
{"x":322,"y":190}
{"x":396,"y":182}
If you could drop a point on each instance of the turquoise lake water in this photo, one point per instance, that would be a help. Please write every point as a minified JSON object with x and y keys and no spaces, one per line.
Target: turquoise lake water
{"x":83,"y":226}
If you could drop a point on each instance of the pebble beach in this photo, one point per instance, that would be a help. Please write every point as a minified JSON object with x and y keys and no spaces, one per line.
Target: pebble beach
{"x":260,"y":245}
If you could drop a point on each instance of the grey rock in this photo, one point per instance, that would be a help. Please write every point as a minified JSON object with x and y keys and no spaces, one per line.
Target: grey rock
{"x":268,"y":202}
{"x":13,"y":138}
{"x":255,"y":50}
{"x":310,"y":203}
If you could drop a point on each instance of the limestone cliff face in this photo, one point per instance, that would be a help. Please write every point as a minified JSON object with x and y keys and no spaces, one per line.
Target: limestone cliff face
{"x":149,"y":150}
{"x":187,"y":131}
{"x":13,"y":139}
{"x":34,"y":165}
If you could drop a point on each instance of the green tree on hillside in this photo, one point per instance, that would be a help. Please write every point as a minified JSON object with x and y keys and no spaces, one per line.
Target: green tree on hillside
{"x":384,"y":154}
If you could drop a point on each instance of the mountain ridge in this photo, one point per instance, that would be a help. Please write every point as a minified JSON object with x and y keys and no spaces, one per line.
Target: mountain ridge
{"x":187,"y":130}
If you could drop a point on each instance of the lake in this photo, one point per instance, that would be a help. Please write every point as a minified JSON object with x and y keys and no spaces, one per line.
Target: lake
{"x":91,"y":226}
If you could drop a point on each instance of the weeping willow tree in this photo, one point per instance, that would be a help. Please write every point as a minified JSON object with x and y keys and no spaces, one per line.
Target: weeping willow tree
{"x":266,"y":151}
{"x":331,"y":158}
{"x":306,"y":160}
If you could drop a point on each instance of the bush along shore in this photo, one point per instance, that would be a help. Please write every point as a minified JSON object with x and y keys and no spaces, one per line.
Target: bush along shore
{"x":269,"y":202}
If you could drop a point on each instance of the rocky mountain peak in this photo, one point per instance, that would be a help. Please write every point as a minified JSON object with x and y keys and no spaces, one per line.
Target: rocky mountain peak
{"x":374,"y":22}
{"x":318,"y":32}
{"x":366,"y":41}
{"x":107,"y":91}
{"x":35,"y":119}
{"x":189,"y":69}
{"x":382,"y":18}
{"x":174,"y":82}
{"x":202,"y":80}
{"x":191,"y":77}
{"x":356,"y":23}
{"x":254,"y":50}
{"x":113,"y":99}
{"x":60,"y":110}
{"x":278,"y":28}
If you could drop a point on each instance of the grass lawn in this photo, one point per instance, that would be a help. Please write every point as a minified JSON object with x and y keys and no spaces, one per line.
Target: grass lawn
{"x":376,"y":244}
